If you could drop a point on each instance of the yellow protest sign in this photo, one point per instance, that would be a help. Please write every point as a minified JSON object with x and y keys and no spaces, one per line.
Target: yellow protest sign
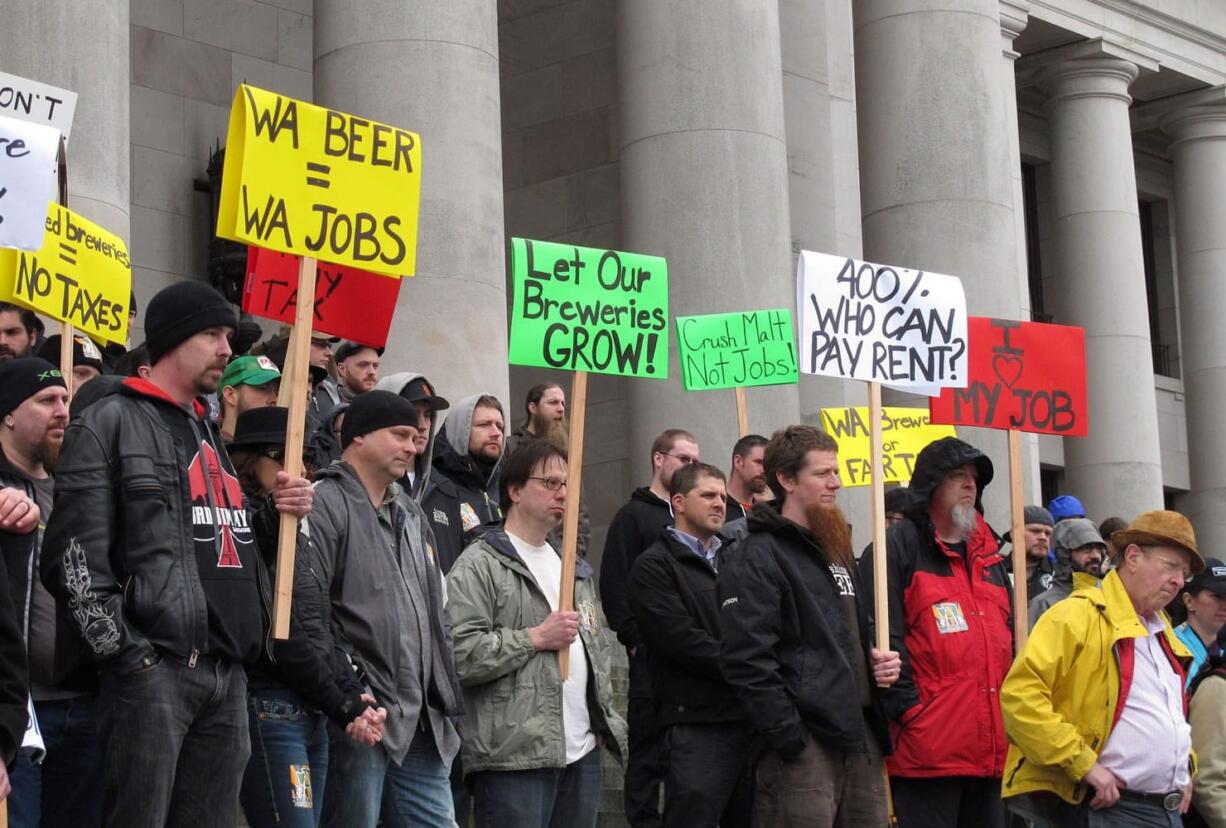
{"x":312,"y":181}
{"x":904,"y":431}
{"x":81,"y":275}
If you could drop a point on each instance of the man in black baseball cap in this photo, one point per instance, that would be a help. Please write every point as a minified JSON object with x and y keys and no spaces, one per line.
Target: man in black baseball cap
{"x":87,"y":362}
{"x":357,"y":368}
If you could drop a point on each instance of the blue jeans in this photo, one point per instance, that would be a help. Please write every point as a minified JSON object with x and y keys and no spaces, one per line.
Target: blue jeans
{"x":366,"y":788}
{"x":284,"y":781}
{"x":174,"y":744}
{"x":543,"y":798}
{"x":66,"y":789}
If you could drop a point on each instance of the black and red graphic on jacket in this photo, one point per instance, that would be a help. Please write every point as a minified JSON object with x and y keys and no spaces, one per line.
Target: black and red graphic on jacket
{"x":219,"y":520}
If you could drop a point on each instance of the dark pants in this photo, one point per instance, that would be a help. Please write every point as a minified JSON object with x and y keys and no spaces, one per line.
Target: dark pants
{"x":948,"y":802}
{"x":284,"y":781}
{"x":644,"y":770}
{"x":708,"y":776}
{"x":1123,"y":814}
{"x":66,"y":789}
{"x":461,"y":798}
{"x":545,"y":798}
{"x":366,"y":788}
{"x":822,"y":788}
{"x":174,"y":743}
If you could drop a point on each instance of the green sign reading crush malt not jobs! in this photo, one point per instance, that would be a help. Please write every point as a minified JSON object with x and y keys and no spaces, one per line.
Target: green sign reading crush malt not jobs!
{"x":587,"y":309}
{"x":730,"y":350}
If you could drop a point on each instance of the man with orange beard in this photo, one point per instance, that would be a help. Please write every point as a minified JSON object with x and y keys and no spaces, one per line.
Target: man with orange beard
{"x":950,"y":619}
{"x":796,"y":645}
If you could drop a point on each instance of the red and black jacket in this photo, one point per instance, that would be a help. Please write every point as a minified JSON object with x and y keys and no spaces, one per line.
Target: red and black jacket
{"x":951,"y":621}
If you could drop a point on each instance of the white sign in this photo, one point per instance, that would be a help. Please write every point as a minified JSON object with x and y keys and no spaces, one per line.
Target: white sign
{"x":38,"y":103}
{"x":877,"y":323}
{"x":27,"y":181}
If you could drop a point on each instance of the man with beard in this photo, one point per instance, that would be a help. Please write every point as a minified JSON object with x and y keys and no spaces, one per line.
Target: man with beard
{"x":463,"y":492}
{"x":796,"y":645}
{"x":66,"y":788}
{"x":357,"y":369}
{"x":18,"y":331}
{"x":150,"y":552}
{"x":747,"y":479}
{"x":704,"y":737}
{"x":950,"y":619}
{"x":1038,"y":526}
{"x":1080,"y":555}
{"x":636,"y":526}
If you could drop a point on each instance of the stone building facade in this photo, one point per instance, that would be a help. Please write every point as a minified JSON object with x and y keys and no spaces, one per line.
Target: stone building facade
{"x":1065,"y":158}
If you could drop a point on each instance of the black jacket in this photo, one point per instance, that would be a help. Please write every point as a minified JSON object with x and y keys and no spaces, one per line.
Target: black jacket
{"x":673,"y":596}
{"x":785,"y":644}
{"x":18,"y":552}
{"x":636,"y":526}
{"x":119,"y":549}
{"x":461,"y":498}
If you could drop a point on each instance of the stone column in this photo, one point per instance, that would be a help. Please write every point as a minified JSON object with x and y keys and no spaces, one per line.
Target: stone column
{"x":937,"y":162}
{"x":705,"y":184}
{"x":1199,"y":148}
{"x":49,"y":42}
{"x":1116,"y":470}
{"x":433,"y":68}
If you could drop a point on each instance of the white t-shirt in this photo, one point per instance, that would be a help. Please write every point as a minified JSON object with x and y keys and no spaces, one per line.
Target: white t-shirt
{"x":546,"y":567}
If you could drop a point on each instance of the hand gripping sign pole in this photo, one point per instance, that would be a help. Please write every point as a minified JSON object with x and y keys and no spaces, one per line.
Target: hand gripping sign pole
{"x":570,"y":524}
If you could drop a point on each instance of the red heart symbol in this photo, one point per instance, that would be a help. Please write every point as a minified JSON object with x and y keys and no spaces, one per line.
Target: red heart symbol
{"x":1007,"y":368}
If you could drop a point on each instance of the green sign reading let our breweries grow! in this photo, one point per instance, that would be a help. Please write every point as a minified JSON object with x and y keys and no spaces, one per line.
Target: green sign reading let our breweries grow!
{"x":584,"y":309}
{"x":729,"y":350}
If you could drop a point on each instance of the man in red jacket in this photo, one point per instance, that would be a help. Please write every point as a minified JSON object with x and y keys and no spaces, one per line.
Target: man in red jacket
{"x":950,"y":620}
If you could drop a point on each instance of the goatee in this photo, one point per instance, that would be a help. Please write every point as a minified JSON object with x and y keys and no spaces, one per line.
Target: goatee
{"x":965,"y":520}
{"x":829,"y":527}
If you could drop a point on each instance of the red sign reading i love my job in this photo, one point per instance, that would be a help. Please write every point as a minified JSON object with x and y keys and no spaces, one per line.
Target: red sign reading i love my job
{"x":1023,"y":375}
{"x":349,"y":303}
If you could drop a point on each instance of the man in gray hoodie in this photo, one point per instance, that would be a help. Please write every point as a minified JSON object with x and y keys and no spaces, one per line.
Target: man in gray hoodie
{"x":1080,"y":555}
{"x":372,"y":551}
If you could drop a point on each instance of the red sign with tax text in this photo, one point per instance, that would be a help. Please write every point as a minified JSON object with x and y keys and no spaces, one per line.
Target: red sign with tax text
{"x":1026,"y":376}
{"x":349,"y":303}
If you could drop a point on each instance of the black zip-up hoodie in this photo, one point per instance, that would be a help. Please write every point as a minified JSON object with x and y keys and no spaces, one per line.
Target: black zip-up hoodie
{"x":149,"y":544}
{"x":673,"y":596}
{"x":785,"y":644}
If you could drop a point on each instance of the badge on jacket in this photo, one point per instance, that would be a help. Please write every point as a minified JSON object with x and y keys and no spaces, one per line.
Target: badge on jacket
{"x":587,"y":616}
{"x":468,"y":516}
{"x":949,"y":618}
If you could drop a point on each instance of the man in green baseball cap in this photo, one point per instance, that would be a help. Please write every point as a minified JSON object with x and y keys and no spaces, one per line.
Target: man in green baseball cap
{"x":248,"y":382}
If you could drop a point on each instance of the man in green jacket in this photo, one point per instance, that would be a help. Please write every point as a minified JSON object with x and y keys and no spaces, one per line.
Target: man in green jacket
{"x":531,"y":741}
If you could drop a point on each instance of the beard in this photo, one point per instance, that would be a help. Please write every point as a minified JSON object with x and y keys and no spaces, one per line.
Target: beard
{"x":757,"y":485}
{"x":553,"y":432}
{"x":48,"y":453}
{"x":829,"y":527}
{"x":965,"y":520}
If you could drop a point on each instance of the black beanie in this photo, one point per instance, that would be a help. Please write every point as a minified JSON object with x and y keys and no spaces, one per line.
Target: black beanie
{"x":375,"y":410}
{"x":21,"y":379}
{"x":181,"y":311}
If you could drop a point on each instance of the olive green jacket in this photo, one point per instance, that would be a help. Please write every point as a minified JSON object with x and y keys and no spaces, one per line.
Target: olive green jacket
{"x":512,"y":692}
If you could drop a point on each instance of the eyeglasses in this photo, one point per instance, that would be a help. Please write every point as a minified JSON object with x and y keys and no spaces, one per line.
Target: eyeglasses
{"x":1170,"y":567}
{"x":685,"y":459}
{"x":553,"y":484}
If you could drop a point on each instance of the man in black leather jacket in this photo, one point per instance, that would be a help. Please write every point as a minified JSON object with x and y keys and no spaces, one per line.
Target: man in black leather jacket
{"x":151,"y":553}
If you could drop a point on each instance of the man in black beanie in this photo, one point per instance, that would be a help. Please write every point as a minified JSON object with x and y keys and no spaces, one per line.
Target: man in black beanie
{"x":375,"y":553}
{"x":150,"y":550}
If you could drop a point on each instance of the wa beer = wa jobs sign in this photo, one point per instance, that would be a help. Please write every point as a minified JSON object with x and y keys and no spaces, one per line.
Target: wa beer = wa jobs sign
{"x":315,"y":182}
{"x":588,"y":309}
{"x":879,"y":323}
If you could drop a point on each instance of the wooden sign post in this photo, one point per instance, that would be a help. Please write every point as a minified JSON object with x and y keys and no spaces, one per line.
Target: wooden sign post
{"x":1017,"y":501}
{"x":742,"y":412}
{"x":574,"y":484}
{"x":881,"y":594}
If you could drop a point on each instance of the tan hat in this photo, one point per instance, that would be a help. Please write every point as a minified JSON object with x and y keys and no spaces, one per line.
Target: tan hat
{"x":1161,"y":528}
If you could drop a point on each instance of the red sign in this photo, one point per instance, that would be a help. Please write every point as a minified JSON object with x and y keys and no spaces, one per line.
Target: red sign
{"x":1023,"y":375}
{"x":349,"y":303}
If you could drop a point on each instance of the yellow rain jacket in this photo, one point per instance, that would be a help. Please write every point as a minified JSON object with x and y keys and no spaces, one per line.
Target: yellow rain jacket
{"x":1066,"y":689}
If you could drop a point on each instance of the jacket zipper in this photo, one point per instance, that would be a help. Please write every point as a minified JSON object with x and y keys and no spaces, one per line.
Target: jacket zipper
{"x":191,"y":595}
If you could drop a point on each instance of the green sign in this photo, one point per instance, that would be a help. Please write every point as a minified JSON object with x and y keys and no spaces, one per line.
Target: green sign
{"x":583,"y":309}
{"x":727,"y":350}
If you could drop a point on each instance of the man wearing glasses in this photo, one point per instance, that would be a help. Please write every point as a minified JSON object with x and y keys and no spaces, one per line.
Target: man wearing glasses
{"x":1093,"y":706}
{"x":636,"y":526}
{"x":531,"y":751}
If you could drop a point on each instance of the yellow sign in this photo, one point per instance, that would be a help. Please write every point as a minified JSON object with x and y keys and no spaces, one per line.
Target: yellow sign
{"x":81,"y":275}
{"x":311,"y":181}
{"x":904,"y":431}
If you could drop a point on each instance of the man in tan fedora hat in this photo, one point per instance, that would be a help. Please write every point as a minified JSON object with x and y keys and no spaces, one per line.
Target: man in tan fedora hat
{"x":1093,"y":706}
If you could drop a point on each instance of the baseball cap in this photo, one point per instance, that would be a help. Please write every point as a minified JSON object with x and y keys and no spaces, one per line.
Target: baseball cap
{"x":419,"y":390}
{"x":348,"y":348}
{"x":1213,"y":578}
{"x":249,"y":370}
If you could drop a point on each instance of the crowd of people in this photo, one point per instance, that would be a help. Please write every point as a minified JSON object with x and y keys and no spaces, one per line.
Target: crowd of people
{"x":421,"y":683}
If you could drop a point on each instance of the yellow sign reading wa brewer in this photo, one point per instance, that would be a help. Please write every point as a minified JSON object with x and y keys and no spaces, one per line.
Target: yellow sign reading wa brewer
{"x":312,"y":181}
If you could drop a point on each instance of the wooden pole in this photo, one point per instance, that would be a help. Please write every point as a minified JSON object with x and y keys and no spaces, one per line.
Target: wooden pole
{"x":65,"y":328}
{"x":742,"y":411}
{"x":881,"y":603}
{"x":297,"y":355}
{"x":570,"y":524}
{"x":1021,"y":620}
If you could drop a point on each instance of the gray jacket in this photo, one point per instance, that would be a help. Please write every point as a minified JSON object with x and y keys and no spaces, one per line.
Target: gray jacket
{"x":369,"y":592}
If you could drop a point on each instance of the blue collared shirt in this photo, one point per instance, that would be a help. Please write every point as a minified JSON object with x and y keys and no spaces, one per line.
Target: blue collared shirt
{"x":695,"y":545}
